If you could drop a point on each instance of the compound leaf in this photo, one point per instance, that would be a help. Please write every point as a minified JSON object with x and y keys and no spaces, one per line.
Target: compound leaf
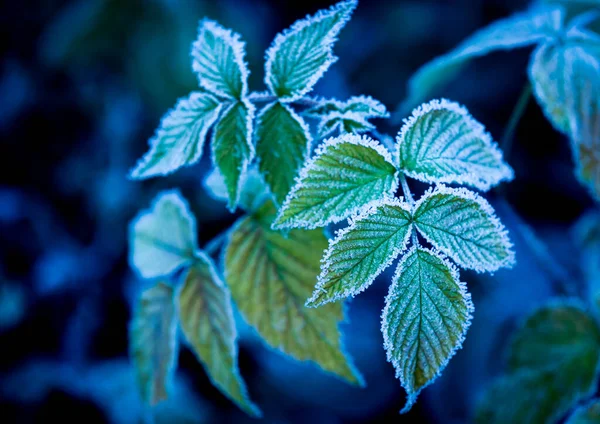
{"x":163,"y":238}
{"x":586,"y":414}
{"x":522,"y":29}
{"x":301,"y":54}
{"x":282,"y":142}
{"x":361,"y":251}
{"x":218,"y":61}
{"x":464,"y":226}
{"x":345,"y":174}
{"x":153,"y":342}
{"x":552,"y":364}
{"x":207,"y":322}
{"x":426,"y":316}
{"x":180,"y":137}
{"x":442,"y":143}
{"x":233,"y":149}
{"x":270,"y":276}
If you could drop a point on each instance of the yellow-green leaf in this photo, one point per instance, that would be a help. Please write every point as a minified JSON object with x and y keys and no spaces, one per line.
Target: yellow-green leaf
{"x":208,"y":325}
{"x":152,"y":342}
{"x":270,"y":276}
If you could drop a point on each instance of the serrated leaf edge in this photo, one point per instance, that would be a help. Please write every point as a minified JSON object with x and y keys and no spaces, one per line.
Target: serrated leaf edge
{"x":469,"y":195}
{"x":505,"y":173}
{"x":354,"y":139}
{"x":298,"y":26}
{"x":388,"y":346}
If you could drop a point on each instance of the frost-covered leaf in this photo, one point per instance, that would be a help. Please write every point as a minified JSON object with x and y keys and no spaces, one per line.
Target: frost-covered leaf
{"x":207,"y":322}
{"x":522,"y":29}
{"x":464,"y":226}
{"x":301,"y":54}
{"x":232,"y":147}
{"x":253,"y":192}
{"x":282,"y":142}
{"x":153,"y":342}
{"x":552,"y":364}
{"x":360,"y":252}
{"x":343,"y":123}
{"x":180,"y":137}
{"x":365,"y":106}
{"x":584,"y":118}
{"x":426,"y":316}
{"x":163,"y":238}
{"x":344,"y":175}
{"x":270,"y":276}
{"x":218,"y":61}
{"x":586,"y":414}
{"x":442,"y":143}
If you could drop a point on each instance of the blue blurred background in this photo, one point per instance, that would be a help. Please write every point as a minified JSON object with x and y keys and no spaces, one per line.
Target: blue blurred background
{"x":83,"y":85}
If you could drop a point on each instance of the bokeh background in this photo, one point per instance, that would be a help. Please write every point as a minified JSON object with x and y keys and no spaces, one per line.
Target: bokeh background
{"x":83,"y":85}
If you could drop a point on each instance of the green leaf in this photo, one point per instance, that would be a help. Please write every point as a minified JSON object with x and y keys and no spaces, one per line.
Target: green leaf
{"x":360,"y":252}
{"x":207,"y":322}
{"x":218,"y":61}
{"x":426,"y":316}
{"x":584,"y":118}
{"x":463,"y":226}
{"x":365,"y":106}
{"x":343,"y":123}
{"x":301,"y":54}
{"x":253,"y":192}
{"x":153,"y":342}
{"x":586,"y":414}
{"x":282,"y":143}
{"x":270,"y":276}
{"x":180,"y":137}
{"x":163,"y":238}
{"x":549,"y":79}
{"x":520,"y":30}
{"x":345,"y":174}
{"x":442,"y":143}
{"x":552,"y":363}
{"x":233,"y":149}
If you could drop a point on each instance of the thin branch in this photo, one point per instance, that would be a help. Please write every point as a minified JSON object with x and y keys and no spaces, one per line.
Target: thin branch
{"x":515,"y":117}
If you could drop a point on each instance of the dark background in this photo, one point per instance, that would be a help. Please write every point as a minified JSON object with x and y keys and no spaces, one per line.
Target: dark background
{"x":83,"y":85}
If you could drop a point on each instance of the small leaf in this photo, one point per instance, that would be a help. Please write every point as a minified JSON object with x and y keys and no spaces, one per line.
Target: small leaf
{"x":282,"y":142}
{"x":584,"y":117}
{"x":179,"y":140}
{"x":207,"y":322}
{"x":463,"y":226}
{"x":345,"y":174}
{"x":343,"y":123}
{"x":163,"y":238}
{"x":442,"y":143}
{"x":301,"y":54}
{"x":253,"y":192}
{"x":270,"y":276}
{"x":218,"y":60}
{"x":232,"y":147}
{"x":520,"y":30}
{"x":360,"y":252}
{"x":153,"y":342}
{"x":586,"y":414}
{"x":426,"y":316}
{"x":552,"y":362}
{"x":366,"y":106}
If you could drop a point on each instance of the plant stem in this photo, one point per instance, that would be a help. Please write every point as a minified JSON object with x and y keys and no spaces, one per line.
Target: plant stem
{"x":411,"y":202}
{"x":213,"y":246}
{"x":515,"y":117}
